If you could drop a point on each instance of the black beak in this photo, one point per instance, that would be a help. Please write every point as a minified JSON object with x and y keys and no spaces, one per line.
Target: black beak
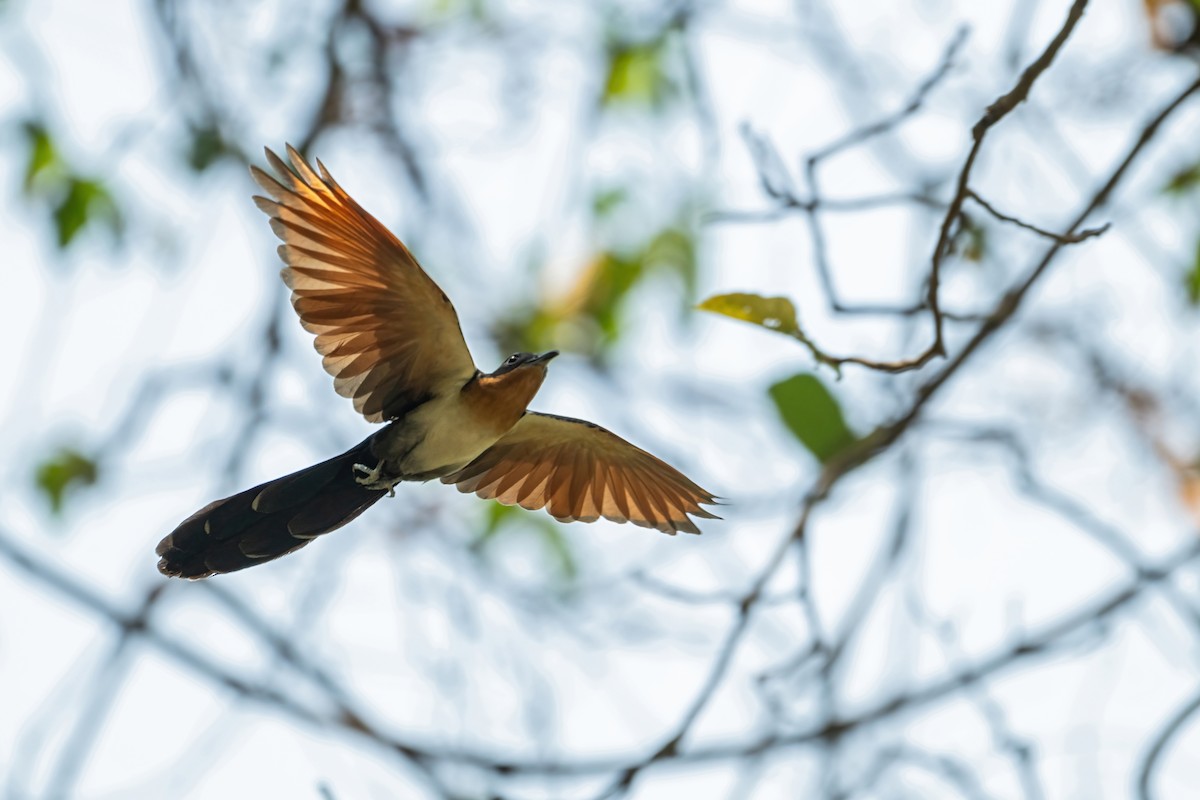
{"x":544,"y":357}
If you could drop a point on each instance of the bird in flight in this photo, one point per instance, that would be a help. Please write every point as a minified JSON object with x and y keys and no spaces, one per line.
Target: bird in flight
{"x":391,"y":340}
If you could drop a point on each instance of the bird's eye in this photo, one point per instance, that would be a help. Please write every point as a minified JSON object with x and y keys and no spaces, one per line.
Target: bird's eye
{"x":514,"y":358}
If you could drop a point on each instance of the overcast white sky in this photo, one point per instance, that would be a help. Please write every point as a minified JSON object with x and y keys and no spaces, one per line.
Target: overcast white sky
{"x":197,"y":278}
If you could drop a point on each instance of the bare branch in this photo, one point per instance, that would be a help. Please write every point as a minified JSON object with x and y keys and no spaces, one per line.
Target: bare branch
{"x":1061,"y":238}
{"x":1162,"y":741}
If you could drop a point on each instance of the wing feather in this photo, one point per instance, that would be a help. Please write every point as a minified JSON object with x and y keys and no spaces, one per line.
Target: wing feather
{"x":533,"y":493}
{"x":620,"y":509}
{"x":655,"y":506}
{"x":580,"y":471}
{"x":386,"y":332}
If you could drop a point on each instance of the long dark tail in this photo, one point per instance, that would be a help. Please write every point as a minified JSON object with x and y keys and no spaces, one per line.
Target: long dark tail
{"x":270,"y":520}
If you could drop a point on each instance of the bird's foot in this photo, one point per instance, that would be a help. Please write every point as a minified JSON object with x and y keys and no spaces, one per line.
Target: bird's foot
{"x":368,"y":476}
{"x":373,"y":478}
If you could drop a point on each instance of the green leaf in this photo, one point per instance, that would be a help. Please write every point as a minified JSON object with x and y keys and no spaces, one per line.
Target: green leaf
{"x":605,"y":201}
{"x":72,"y":213}
{"x":205,"y":148}
{"x":84,"y":201}
{"x":773,"y":313}
{"x":813,"y":415}
{"x":66,"y":471}
{"x":72,"y":200}
{"x":43,"y":157}
{"x":1185,"y":180}
{"x":1193,"y":279}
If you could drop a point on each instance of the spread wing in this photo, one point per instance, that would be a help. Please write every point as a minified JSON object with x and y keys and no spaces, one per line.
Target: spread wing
{"x":389,"y":336}
{"x":580,"y":471}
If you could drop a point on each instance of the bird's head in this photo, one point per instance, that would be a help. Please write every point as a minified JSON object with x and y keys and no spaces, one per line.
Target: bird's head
{"x":525,"y":361}
{"x":521,"y":374}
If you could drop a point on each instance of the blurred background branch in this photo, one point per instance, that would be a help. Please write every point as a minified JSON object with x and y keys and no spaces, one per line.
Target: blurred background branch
{"x":966,"y":566}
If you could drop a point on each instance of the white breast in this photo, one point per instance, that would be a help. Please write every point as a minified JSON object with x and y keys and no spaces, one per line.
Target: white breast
{"x":452,"y":438}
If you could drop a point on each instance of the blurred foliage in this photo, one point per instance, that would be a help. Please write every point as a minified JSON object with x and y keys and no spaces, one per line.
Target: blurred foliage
{"x":85,"y":200}
{"x":673,"y":250}
{"x":72,"y":200}
{"x":773,"y":313}
{"x":1184,"y":181}
{"x":205,"y":148}
{"x":636,"y":75}
{"x":1193,"y":278}
{"x":605,"y":201}
{"x":813,"y":415}
{"x":502,"y":518}
{"x":42,"y":159}
{"x":64,"y":473}
{"x":969,"y":240}
{"x":587,"y":318}
{"x":474,"y":10}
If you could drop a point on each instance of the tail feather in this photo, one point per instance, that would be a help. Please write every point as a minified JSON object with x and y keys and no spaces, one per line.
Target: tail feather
{"x":269,"y":520}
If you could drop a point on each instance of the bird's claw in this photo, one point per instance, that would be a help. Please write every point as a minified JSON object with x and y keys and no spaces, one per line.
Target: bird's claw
{"x":368,"y":475}
{"x":372,"y":478}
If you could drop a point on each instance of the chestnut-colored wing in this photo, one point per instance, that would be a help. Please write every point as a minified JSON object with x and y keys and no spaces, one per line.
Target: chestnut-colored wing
{"x":580,"y":471}
{"x":389,"y":336}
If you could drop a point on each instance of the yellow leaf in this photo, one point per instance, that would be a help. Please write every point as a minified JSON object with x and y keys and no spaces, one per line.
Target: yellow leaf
{"x":773,"y":313}
{"x":635,"y":74}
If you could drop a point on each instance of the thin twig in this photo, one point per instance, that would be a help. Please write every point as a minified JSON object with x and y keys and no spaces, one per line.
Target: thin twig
{"x":1061,"y":238}
{"x":1161,"y":741}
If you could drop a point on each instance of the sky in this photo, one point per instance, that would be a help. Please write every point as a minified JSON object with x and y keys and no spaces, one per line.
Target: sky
{"x":444,"y":649}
